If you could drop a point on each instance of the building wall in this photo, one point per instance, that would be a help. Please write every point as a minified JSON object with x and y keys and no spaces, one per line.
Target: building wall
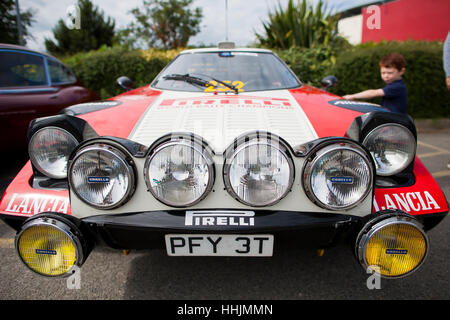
{"x":408,"y":20}
{"x":351,"y":28}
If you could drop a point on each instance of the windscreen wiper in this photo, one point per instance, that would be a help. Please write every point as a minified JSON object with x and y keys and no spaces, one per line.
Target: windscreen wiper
{"x":198,"y":81}
{"x":188,"y":78}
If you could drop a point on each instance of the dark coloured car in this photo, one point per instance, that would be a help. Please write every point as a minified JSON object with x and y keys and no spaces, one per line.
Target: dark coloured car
{"x":32,"y":85}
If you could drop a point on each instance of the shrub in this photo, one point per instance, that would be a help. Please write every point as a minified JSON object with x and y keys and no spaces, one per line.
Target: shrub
{"x":98,"y":70}
{"x":358,"y":69}
{"x":310,"y":65}
{"x":300,"y":24}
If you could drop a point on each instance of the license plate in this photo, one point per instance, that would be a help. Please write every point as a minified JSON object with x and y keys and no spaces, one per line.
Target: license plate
{"x":255,"y":245}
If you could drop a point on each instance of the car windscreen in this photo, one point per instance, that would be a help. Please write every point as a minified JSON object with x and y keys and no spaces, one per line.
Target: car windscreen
{"x":246,"y":71}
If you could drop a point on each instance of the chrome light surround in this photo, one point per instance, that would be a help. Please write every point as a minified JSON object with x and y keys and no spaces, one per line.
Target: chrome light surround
{"x":50,"y":248}
{"x":49,"y":149}
{"x":100,"y":167}
{"x":402,"y":150}
{"x":338,"y":180}
{"x":274,"y":144}
{"x":391,"y":233}
{"x":173,"y":189}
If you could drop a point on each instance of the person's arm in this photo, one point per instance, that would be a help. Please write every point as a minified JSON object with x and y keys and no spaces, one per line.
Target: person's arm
{"x":367,"y":94}
{"x":446,"y":60}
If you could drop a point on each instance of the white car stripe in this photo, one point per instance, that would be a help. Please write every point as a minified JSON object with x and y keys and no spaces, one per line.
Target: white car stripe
{"x":219,"y":119}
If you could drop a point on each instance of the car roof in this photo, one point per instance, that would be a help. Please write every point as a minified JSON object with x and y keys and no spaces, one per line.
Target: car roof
{"x":22,"y":48}
{"x":198,"y":50}
{"x":217,"y":49}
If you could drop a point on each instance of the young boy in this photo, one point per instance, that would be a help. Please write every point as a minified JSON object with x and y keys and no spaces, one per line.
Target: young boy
{"x":394,"y":94}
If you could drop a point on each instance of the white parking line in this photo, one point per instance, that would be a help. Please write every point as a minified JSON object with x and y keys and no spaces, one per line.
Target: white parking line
{"x":431,"y":154}
{"x":7,"y":243}
{"x":442,"y":173}
{"x":441,"y":150}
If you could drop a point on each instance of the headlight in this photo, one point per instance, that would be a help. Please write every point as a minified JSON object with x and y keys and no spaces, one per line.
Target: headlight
{"x":101,"y":176}
{"x":392,"y":147}
{"x":338,"y":176}
{"x":49,"y":149}
{"x":258,"y":173}
{"x":393,"y":247}
{"x":49,"y":246}
{"x":179,"y":173}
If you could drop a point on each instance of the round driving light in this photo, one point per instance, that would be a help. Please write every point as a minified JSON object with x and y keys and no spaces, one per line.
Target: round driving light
{"x":258,"y":173}
{"x":392,"y":147}
{"x":394,"y":247}
{"x":49,"y":247}
{"x":179,"y":173}
{"x":49,"y":149}
{"x":338,"y":176}
{"x":101,"y":176}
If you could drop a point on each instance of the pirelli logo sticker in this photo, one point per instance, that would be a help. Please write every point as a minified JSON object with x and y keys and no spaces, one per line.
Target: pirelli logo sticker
{"x":220,"y":218}
{"x":248,"y":102}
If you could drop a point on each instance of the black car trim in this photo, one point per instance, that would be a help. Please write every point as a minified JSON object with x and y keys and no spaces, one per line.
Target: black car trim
{"x":265,"y":220}
{"x":83,"y":108}
{"x":146,"y":230}
{"x":363,"y":107}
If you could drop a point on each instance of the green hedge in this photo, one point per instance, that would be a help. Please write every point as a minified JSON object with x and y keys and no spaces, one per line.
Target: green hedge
{"x":358,"y":69}
{"x":310,"y":65}
{"x":98,"y":70}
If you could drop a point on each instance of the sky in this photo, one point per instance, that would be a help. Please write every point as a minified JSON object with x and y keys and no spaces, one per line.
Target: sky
{"x":244,"y":17}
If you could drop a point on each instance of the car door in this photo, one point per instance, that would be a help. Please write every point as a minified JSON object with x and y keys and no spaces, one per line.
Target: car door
{"x":27,"y":92}
{"x":70,"y":91}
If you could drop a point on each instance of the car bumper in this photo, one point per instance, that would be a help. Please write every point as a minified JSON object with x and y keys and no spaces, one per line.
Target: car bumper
{"x":290,"y":229}
{"x":147,"y":230}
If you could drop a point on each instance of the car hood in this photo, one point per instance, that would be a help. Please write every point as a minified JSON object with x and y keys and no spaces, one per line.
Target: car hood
{"x":220,"y":119}
{"x":297,"y":116}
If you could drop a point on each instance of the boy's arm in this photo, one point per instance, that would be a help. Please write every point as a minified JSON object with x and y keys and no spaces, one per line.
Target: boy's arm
{"x":446,"y":59}
{"x":367,"y":94}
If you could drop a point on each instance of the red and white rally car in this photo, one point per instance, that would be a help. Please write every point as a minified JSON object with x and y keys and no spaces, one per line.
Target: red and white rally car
{"x":225,"y":153}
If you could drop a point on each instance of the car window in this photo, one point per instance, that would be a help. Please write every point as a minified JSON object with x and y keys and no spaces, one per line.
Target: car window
{"x":249,"y":71}
{"x":59,"y":73}
{"x":18,"y":69}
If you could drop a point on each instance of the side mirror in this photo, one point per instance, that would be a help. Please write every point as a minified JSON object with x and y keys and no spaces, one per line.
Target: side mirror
{"x":328,"y":82}
{"x":125,"y":83}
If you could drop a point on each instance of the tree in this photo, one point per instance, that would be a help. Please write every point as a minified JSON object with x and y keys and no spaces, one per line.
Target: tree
{"x":300,"y":25}
{"x":93,"y":32}
{"x":8,"y":22}
{"x":165,"y":23}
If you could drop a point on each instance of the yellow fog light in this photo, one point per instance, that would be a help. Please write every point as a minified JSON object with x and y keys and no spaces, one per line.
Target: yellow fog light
{"x":394,"y":246}
{"x":48,"y":247}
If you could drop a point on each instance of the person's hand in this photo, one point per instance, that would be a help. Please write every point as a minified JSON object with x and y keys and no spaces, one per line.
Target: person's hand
{"x":448,"y":83}
{"x":348,"y":97}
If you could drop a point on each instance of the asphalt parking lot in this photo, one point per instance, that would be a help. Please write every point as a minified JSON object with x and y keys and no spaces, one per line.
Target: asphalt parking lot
{"x":290,"y":274}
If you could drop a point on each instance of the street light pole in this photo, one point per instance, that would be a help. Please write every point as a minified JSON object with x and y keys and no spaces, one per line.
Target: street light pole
{"x":19,"y":24}
{"x":226,"y":20}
